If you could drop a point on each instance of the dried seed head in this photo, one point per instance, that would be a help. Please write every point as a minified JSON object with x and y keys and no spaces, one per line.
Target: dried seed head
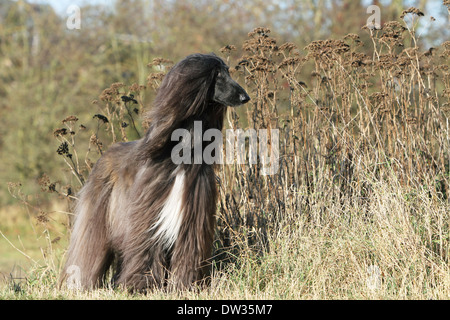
{"x":60,"y":132}
{"x":288,"y":46}
{"x":63,"y":149}
{"x":377,"y":97}
{"x":327,"y":47}
{"x":56,"y":240}
{"x":352,"y":36}
{"x":136,"y":88}
{"x":111,"y":93}
{"x":386,"y":61}
{"x":44,"y":182}
{"x":358,"y":59}
{"x":129,"y":98}
{"x":42,"y":217}
{"x":101,"y":118}
{"x":292,"y":61}
{"x":159,"y":62}
{"x":228,"y":48}
{"x":52,"y":187}
{"x":260,"y":31}
{"x":413,"y":11}
{"x":158,"y":77}
{"x":70,"y":119}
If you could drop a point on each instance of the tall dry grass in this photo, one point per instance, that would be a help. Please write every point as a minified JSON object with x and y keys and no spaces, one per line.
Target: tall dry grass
{"x":359,"y":207}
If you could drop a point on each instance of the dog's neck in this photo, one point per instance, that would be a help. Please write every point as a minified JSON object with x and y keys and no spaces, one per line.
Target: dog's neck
{"x":211,"y":119}
{"x":158,"y":139}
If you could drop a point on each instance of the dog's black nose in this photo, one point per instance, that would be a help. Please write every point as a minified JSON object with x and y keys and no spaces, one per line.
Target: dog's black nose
{"x":244,"y":98}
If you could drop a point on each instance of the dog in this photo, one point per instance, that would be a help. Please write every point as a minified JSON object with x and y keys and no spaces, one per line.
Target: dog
{"x":147,"y":219}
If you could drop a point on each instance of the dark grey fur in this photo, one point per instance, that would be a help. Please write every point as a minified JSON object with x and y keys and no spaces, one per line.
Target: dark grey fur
{"x":129,"y":185}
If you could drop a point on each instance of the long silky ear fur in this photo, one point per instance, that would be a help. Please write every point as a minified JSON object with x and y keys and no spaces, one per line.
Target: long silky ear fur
{"x":180,"y":97}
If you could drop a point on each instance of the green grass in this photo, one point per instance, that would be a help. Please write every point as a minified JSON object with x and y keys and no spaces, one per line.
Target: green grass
{"x":16,"y":233}
{"x":25,"y":243}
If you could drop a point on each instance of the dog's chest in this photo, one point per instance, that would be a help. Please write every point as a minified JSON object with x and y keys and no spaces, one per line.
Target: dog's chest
{"x":168,"y":225}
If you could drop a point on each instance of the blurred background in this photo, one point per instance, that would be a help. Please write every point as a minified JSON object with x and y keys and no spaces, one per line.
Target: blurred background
{"x":48,"y":72}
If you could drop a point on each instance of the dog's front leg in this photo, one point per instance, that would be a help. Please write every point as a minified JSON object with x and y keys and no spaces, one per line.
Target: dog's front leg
{"x":190,"y":261}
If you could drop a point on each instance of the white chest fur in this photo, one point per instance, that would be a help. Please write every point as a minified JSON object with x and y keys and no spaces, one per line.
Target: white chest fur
{"x":169,"y":221}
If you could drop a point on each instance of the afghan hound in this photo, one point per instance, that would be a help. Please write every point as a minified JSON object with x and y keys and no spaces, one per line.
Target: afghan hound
{"x":149,"y":219}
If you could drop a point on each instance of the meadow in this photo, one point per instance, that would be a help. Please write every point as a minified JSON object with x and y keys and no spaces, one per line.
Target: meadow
{"x":358,"y":209}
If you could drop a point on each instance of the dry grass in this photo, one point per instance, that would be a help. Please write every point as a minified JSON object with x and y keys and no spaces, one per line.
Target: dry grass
{"x":359,"y":208}
{"x":327,"y":258}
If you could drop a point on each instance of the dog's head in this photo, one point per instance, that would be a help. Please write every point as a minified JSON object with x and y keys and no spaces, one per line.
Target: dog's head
{"x":200,"y":79}
{"x":197,"y":87}
{"x":227,"y":91}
